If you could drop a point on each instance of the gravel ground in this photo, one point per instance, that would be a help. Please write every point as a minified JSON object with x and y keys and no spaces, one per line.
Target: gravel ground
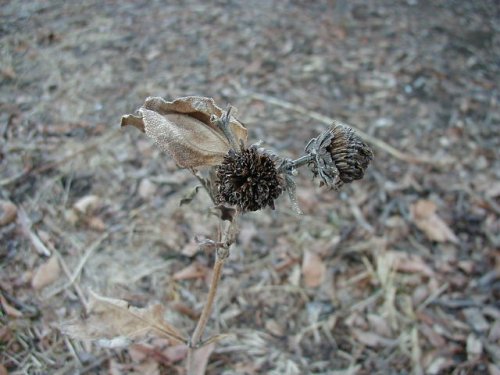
{"x":398,"y":273}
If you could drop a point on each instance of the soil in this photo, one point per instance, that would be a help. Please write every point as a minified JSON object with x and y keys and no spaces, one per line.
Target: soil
{"x":397,"y":273}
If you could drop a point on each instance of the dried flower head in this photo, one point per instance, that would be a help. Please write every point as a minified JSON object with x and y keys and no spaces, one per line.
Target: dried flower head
{"x":248,"y":179}
{"x":339,"y":156}
{"x":185,"y":128}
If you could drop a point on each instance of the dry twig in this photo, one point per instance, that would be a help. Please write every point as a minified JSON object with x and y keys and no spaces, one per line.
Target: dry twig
{"x":384,"y":146}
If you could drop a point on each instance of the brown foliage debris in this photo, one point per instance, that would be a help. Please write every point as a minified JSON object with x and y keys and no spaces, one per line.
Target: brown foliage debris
{"x":114,"y":323}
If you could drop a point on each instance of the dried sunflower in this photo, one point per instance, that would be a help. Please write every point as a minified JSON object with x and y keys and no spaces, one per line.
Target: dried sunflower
{"x":248,"y":179}
{"x":338,"y":156}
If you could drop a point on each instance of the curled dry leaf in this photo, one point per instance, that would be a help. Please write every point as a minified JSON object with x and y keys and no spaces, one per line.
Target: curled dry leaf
{"x":411,"y":263}
{"x":113,"y":323}
{"x":8,"y":212}
{"x":9,"y":310}
{"x":184,"y":129}
{"x":372,"y":339}
{"x":313,"y":269}
{"x":426,"y":219}
{"x":46,"y":274}
{"x":193,"y":271}
{"x":87,"y":203}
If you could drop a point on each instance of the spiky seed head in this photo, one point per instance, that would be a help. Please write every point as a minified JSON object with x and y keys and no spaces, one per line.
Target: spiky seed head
{"x":248,"y":179}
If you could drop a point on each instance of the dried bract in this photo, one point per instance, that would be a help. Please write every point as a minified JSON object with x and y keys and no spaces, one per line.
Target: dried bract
{"x":249,"y":180}
{"x":185,"y":129}
{"x":338,"y":156}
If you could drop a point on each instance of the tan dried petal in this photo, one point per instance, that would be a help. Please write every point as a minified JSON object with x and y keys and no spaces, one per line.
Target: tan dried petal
{"x":184,"y":129}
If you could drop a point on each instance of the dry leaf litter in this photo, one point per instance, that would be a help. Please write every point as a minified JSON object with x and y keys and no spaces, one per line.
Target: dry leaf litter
{"x":410,"y":254}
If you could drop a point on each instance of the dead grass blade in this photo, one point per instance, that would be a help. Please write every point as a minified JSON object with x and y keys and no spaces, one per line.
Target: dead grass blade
{"x":384,"y":146}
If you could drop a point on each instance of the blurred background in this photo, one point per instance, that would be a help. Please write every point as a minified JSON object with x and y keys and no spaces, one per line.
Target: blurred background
{"x":398,"y":273}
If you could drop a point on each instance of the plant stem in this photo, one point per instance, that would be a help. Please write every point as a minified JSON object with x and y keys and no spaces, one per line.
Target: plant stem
{"x":222,"y":254}
{"x":302,"y":160}
{"x":207,"y":309}
{"x":289,"y":166}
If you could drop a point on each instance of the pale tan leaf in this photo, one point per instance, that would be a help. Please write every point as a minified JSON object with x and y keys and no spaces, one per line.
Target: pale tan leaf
{"x":474,"y":347}
{"x":379,"y":325}
{"x":146,"y":189}
{"x":193,"y":271}
{"x":149,"y":367}
{"x":411,"y":263}
{"x":313,"y":269}
{"x":87,"y":203}
{"x":113,"y":322}
{"x":175,"y":353}
{"x":200,"y":360}
{"x":8,"y":212}
{"x":438,"y":365}
{"x":9,"y":310}
{"x":46,"y":274}
{"x":426,"y":219}
{"x":275,"y":328}
{"x":372,"y":339}
{"x":96,"y":223}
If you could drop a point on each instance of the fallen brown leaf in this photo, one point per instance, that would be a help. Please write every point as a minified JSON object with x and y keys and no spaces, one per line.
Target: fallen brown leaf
{"x":8,"y":212}
{"x":175,"y":353}
{"x":474,"y":347}
{"x":96,"y":223}
{"x":87,"y":203}
{"x":193,"y":271}
{"x":426,"y":219}
{"x":149,"y":367}
{"x":46,"y":274}
{"x":201,"y":356}
{"x":379,"y":325}
{"x":411,"y":263}
{"x":372,"y":339}
{"x":10,"y":310}
{"x":114,"y":323}
{"x":147,"y":189}
{"x":313,"y":269}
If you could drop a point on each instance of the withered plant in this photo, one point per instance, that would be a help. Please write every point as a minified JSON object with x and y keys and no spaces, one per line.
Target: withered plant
{"x":238,"y":177}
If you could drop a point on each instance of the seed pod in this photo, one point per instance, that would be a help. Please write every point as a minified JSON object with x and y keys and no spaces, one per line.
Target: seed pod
{"x":340,"y":156}
{"x":249,"y":180}
{"x":184,"y":129}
